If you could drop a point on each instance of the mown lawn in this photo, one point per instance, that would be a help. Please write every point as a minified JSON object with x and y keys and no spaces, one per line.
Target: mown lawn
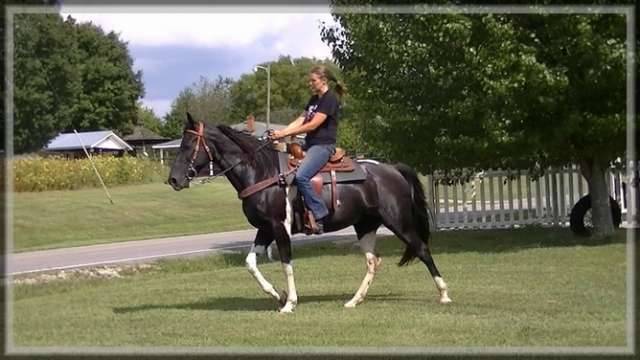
{"x":532,"y":287}
{"x":55,"y":219}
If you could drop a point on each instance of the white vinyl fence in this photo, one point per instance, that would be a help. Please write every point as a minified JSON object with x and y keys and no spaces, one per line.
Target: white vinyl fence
{"x":493,"y":200}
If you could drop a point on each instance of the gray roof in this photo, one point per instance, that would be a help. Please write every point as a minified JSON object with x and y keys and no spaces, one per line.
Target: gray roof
{"x":260,"y":127}
{"x":168,"y":145}
{"x":141,"y":133}
{"x":105,"y":140}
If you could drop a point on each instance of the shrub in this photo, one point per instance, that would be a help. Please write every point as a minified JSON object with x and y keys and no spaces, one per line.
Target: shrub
{"x":57,"y":173}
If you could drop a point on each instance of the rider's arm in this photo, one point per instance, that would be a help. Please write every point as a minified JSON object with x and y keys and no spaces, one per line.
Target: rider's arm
{"x":317,"y":120}
{"x":297,"y":122}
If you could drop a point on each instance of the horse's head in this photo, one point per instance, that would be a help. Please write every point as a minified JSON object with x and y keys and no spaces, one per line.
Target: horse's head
{"x":194,"y":156}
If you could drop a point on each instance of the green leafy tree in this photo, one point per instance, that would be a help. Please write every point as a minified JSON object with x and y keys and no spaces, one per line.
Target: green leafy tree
{"x":458,"y":91}
{"x":46,"y":77}
{"x":147,"y":118}
{"x":289,"y":90}
{"x":110,"y":87}
{"x":69,"y":76}
{"x":207,"y":100}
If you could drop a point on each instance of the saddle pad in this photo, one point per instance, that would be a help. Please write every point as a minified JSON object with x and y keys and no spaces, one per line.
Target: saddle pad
{"x":358,"y":174}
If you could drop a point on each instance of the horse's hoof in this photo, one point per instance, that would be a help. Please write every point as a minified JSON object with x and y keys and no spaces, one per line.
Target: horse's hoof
{"x":283,"y":298}
{"x":353,"y":302}
{"x":350,"y":305}
{"x":287,"y":308}
{"x":445,"y":300}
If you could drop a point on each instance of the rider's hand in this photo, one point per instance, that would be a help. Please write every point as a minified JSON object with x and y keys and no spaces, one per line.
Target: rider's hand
{"x":276,"y":134}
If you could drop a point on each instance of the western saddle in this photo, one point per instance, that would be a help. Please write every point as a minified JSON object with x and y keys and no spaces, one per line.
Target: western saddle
{"x":340,"y":168}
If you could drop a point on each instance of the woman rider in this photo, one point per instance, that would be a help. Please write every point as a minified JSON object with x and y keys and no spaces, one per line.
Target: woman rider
{"x":320,"y":122}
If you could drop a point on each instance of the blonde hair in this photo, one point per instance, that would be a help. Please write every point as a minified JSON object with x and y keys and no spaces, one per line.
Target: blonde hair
{"x":324,"y":73}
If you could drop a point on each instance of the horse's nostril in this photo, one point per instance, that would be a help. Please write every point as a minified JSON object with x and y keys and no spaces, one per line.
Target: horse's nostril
{"x":173,"y":181}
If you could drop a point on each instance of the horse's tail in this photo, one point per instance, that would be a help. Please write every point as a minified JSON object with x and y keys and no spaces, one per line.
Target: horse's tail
{"x":419,"y":211}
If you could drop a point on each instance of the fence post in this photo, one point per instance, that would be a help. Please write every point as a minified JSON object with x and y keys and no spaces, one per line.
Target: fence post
{"x":527,"y":178}
{"x":520,"y":205}
{"x":562,"y":193}
{"x":554,"y":196}
{"x":572,"y":199}
{"x":94,"y":167}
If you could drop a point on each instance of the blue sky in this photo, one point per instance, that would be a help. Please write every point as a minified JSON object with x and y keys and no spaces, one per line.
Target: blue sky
{"x":175,"y":46}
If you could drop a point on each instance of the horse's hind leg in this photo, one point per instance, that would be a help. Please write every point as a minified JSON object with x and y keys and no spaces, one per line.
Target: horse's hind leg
{"x":422,"y":252}
{"x":367,"y":240}
{"x":263,"y":238}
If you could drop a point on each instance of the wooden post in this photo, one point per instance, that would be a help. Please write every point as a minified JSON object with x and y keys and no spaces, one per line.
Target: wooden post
{"x":94,"y":167}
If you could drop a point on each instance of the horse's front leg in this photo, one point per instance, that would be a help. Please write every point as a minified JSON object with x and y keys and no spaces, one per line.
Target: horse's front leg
{"x":263,"y":238}
{"x":283,"y":240}
{"x":368,"y":246}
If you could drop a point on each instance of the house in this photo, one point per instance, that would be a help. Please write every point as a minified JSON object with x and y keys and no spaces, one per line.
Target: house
{"x":167,"y":148}
{"x":142,"y":139}
{"x":96,"y":142}
{"x":258,"y":128}
{"x":255,"y":128}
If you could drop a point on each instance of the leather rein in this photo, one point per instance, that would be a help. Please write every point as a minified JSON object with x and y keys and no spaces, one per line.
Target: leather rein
{"x":252,"y":189}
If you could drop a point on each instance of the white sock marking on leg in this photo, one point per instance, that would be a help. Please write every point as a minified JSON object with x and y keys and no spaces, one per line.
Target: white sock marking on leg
{"x":368,"y":246}
{"x":292,"y":297}
{"x":442,"y":288}
{"x":252,"y":266}
{"x":288,"y":221}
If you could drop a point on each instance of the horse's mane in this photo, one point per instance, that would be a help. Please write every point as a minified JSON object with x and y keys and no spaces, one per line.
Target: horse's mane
{"x":264,"y":156}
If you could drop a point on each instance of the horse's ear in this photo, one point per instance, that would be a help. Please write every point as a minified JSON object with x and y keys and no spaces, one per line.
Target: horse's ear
{"x":190,"y":123}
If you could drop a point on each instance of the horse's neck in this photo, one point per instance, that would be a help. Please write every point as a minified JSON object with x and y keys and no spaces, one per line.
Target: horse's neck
{"x":245,"y":174}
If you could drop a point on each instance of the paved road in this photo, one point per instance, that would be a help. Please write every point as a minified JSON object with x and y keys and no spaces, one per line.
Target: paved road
{"x":149,"y":250}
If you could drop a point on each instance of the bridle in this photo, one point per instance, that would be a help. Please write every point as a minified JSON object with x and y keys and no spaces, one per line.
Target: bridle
{"x":201,"y":142}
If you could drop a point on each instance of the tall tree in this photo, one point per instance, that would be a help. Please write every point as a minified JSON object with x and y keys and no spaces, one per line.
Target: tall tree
{"x":110,"y":87}
{"x":470,"y":92}
{"x":289,"y":89}
{"x":46,"y":77}
{"x":148,"y":118}
{"x":69,"y":76}
{"x":207,"y":100}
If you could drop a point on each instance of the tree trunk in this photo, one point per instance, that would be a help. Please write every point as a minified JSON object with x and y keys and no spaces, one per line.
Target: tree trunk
{"x":595,"y":173}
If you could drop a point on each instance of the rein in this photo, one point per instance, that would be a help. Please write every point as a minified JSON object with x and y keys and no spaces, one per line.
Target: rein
{"x":246,"y":192}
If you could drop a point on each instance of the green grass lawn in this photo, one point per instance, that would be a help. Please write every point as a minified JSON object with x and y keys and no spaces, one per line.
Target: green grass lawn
{"x":55,"y":219}
{"x":531,"y":287}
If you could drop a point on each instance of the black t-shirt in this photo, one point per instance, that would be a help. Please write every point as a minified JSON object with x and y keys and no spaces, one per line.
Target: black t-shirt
{"x":325,"y":133}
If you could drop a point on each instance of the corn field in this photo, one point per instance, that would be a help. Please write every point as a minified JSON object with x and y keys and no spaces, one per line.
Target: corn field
{"x":57,"y":173}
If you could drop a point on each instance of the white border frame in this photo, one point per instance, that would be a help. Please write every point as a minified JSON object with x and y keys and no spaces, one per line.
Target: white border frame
{"x":628,"y":11}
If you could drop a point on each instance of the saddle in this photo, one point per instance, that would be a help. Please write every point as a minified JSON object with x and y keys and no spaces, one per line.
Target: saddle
{"x":340,"y":169}
{"x":338,"y":162}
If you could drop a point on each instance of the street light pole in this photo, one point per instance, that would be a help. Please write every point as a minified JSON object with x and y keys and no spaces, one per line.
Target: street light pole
{"x":268,"y":70}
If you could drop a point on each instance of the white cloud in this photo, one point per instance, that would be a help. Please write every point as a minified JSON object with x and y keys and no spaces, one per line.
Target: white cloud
{"x":263,"y":36}
{"x":293,"y":30}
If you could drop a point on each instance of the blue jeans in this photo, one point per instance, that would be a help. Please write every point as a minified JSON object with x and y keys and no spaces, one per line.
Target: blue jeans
{"x":317,"y":156}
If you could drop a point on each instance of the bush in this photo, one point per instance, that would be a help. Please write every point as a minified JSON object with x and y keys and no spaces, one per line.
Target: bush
{"x":57,"y":173}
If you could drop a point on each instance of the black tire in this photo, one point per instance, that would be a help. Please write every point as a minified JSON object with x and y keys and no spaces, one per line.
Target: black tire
{"x":580,"y":209}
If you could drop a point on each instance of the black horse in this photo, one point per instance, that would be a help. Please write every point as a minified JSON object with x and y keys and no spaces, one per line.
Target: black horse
{"x":390,"y":195}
